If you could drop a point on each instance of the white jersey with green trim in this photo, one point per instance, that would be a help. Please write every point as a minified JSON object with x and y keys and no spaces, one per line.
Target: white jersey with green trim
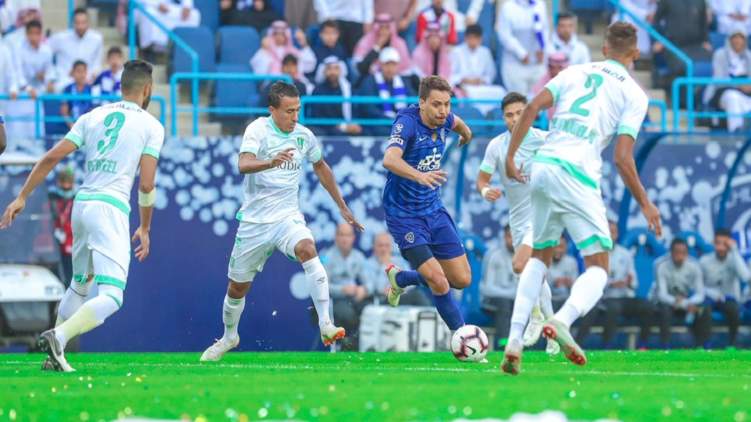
{"x":593,"y":102}
{"x":273,"y":194}
{"x":114,"y":137}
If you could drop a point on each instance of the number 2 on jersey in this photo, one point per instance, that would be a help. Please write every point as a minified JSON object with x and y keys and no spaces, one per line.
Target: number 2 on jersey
{"x":113,"y":123}
{"x":593,"y":81}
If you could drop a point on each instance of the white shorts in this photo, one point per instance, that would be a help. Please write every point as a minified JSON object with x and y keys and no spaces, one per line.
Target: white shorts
{"x":560,"y":201}
{"x":521,"y":226}
{"x":255,"y":242}
{"x":101,"y":243}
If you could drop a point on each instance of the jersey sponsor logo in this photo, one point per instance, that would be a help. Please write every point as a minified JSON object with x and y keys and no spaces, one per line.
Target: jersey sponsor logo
{"x":431,"y":162}
{"x":290,"y":165}
{"x":101,"y":165}
{"x":572,"y":127}
{"x":395,"y":140}
{"x":409,"y":237}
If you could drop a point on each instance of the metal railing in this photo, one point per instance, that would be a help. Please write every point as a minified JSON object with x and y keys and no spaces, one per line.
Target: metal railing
{"x":690,"y":112}
{"x":39,"y":117}
{"x":663,"y":107}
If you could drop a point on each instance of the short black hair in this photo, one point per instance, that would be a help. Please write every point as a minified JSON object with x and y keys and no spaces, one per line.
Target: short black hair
{"x":136,"y":75}
{"x":80,"y":11}
{"x":433,"y":83}
{"x":473,"y":29}
{"x":281,"y":89}
{"x":621,"y":37}
{"x":33,"y":24}
{"x":678,"y":241}
{"x":722,"y":231}
{"x":114,"y":50}
{"x":329,"y":23}
{"x":289,"y":59}
{"x":566,"y":15}
{"x":79,"y":63}
{"x":512,"y":98}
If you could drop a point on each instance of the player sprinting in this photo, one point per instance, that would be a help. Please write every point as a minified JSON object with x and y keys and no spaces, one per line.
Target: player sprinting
{"x":519,"y":203}
{"x":594,"y":102}
{"x":415,"y":215}
{"x":118,"y":139}
{"x":272,"y":155}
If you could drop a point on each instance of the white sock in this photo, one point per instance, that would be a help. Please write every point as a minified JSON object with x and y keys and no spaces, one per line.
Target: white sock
{"x":546,"y":300}
{"x":73,"y":299}
{"x":318,"y":284}
{"x":527,"y":294}
{"x":231,"y":313}
{"x":91,"y":314}
{"x":585,"y":293}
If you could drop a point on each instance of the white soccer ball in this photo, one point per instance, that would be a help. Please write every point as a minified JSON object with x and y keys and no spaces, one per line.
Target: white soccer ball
{"x":469,"y":344}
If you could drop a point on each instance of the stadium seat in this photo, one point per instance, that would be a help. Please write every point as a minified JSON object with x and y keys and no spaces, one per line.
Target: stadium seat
{"x":468,"y":112}
{"x":697,"y":246}
{"x":717,"y":40}
{"x":234,"y":93}
{"x":588,"y":10}
{"x":496,"y":115}
{"x":278,"y":6}
{"x":209,"y":13}
{"x":201,"y":39}
{"x":703,"y":69}
{"x":52,"y":111}
{"x":237,"y":44}
{"x":647,"y":250}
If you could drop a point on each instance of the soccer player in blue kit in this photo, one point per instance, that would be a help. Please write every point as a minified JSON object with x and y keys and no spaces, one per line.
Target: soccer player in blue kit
{"x":415,"y":216}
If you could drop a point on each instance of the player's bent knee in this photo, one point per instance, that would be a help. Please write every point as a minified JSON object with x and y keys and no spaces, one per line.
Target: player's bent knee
{"x":305,"y":250}
{"x":462,"y":281}
{"x":113,"y":293}
{"x":437,"y":282}
{"x":237,"y":290}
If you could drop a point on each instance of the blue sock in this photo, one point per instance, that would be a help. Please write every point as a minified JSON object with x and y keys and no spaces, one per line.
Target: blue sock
{"x":409,"y":278}
{"x":449,"y":310}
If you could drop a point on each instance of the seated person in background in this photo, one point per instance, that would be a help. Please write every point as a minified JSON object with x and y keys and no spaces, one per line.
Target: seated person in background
{"x":498,"y":287}
{"x":461,"y":20}
{"x":172,"y":14}
{"x":276,"y":45}
{"x":437,"y":14}
{"x":723,"y":271}
{"x":378,"y":281}
{"x":80,"y":43}
{"x":473,"y":69}
{"x":291,"y":69}
{"x":619,"y":298}
{"x":387,"y":84}
{"x":645,"y":10}
{"x":255,"y":13}
{"x":331,"y":79}
{"x":431,"y":56}
{"x":353,"y":17}
{"x":680,"y":294}
{"x":564,"y":40}
{"x":108,"y":82}
{"x":732,"y":15}
{"x":730,"y":62}
{"x":556,"y":63}
{"x":562,"y":273}
{"x":71,"y":110}
{"x":403,"y":10}
{"x":347,"y":282}
{"x":329,"y":45}
{"x":522,"y":27}
{"x":382,"y":34}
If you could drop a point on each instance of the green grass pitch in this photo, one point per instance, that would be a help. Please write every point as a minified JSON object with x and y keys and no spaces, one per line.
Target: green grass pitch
{"x":632,"y":386}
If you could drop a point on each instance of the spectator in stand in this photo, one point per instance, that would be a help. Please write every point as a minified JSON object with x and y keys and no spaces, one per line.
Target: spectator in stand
{"x":498,"y":286}
{"x":77,"y":44}
{"x":172,"y":14}
{"x":556,"y":63}
{"x":331,"y":79}
{"x":61,"y":202}
{"x":276,"y":45}
{"x":378,"y":281}
{"x":72,"y":109}
{"x":645,"y":10}
{"x":684,"y":22}
{"x":9,"y":84}
{"x":723,"y":271}
{"x":108,"y":82}
{"x":329,"y":44}
{"x":440,"y":16}
{"x":382,"y":34}
{"x":564,"y":40}
{"x":473,"y":69}
{"x":345,"y":267}
{"x":731,"y":62}
{"x":522,"y":26}
{"x":403,"y":10}
{"x":431,"y":56}
{"x":460,"y":19}
{"x":387,"y":84}
{"x":619,"y":298}
{"x":353,"y":17}
{"x":680,"y":294}
{"x":14,"y":15}
{"x":562,"y":273}
{"x":255,"y":13}
{"x":732,"y":15}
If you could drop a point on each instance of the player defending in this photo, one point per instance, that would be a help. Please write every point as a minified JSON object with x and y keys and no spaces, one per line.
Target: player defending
{"x":594,"y":102}
{"x":519,"y":203}
{"x":271,"y":158}
{"x":117,"y":139}
{"x":415,"y":216}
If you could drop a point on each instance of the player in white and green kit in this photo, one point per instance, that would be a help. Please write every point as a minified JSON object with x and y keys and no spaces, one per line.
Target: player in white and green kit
{"x":272,"y":155}
{"x":594,"y":102}
{"x":519,"y":200}
{"x":117,"y":139}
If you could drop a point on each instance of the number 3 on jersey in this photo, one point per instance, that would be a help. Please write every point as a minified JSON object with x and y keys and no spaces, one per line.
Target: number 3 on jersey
{"x":593,"y":81}
{"x":113,"y":122}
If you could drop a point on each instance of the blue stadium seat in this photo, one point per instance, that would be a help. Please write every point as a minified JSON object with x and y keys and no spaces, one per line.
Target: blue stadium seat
{"x":590,"y":5}
{"x":697,"y":246}
{"x":234,"y":93}
{"x":496,"y":115}
{"x":468,"y":112}
{"x":52,"y":110}
{"x":717,"y":40}
{"x":209,"y":13}
{"x":201,"y":39}
{"x":703,"y":69}
{"x":277,"y":5}
{"x":237,"y":44}
{"x":648,"y":249}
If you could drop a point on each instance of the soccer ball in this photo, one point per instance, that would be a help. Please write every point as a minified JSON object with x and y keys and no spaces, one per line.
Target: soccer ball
{"x":469,"y":344}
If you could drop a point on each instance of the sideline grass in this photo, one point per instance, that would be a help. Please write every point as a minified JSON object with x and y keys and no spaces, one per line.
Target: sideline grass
{"x":631,"y":386}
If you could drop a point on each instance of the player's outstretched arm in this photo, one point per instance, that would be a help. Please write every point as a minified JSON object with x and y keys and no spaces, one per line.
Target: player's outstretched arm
{"x":542,"y":101}
{"x":393,"y":162}
{"x":463,"y":130}
{"x":146,"y":200}
{"x":326,"y":177}
{"x":624,"y":161}
{"x":40,"y":171}
{"x":486,"y":190}
{"x":249,"y":163}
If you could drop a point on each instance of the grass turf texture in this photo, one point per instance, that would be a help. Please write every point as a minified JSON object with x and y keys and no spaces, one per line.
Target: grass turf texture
{"x":377,"y":386}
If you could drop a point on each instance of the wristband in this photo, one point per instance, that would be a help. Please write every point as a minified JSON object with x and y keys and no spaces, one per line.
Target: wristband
{"x":146,"y":199}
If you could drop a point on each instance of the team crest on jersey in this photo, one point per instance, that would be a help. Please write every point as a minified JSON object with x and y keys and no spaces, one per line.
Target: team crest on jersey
{"x":409,"y":237}
{"x":300,"y":142}
{"x":397,"y":128}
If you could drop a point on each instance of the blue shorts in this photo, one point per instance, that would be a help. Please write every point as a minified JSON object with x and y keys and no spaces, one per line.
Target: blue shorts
{"x":436,"y":230}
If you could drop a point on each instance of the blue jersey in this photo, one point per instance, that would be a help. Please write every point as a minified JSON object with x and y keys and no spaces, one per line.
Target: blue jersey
{"x":423,"y":148}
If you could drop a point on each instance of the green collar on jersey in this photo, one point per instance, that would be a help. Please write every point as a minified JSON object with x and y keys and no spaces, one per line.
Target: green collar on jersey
{"x":131,"y":103}
{"x":277,"y":130}
{"x":617,"y":63}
